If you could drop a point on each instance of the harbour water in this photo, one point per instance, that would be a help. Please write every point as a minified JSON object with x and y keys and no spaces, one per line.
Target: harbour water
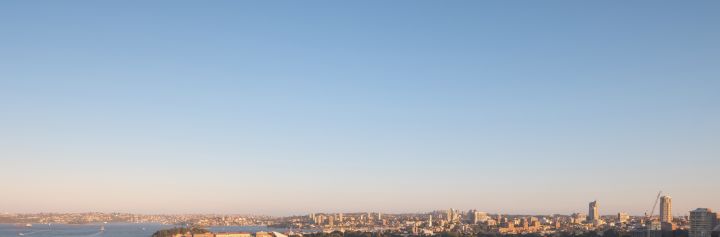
{"x":109,"y":230}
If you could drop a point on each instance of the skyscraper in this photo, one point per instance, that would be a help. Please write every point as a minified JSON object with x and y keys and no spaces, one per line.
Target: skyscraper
{"x":430,"y":220}
{"x":666,"y":209}
{"x":702,"y":221}
{"x":593,"y":212}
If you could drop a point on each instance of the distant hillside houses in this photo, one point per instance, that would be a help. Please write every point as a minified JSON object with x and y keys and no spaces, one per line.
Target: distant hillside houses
{"x":232,"y":234}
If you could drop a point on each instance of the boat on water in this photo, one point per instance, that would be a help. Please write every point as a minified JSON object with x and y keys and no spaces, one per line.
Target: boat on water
{"x":102,"y":228}
{"x":28,"y":225}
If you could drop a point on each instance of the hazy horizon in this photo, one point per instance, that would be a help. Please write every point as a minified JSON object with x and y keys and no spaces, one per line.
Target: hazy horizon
{"x":294,"y":107}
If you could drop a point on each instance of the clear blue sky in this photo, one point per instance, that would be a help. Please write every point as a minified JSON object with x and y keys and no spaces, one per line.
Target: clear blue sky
{"x":282,"y":107}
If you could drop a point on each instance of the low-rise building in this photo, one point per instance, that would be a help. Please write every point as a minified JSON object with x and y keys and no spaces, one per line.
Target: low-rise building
{"x":233,"y":234}
{"x":203,"y":235}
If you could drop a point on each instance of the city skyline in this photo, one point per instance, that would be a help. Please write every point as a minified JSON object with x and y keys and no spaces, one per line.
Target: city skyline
{"x":701,"y":222}
{"x":662,"y":212}
{"x":390,"y":106}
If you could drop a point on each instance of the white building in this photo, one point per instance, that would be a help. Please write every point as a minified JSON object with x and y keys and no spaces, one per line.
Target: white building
{"x":702,"y":222}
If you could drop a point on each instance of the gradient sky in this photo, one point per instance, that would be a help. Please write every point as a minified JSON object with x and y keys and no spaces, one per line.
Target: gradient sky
{"x":290,"y":107}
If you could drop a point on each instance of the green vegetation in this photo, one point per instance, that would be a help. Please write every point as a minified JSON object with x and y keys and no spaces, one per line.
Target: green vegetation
{"x":179,"y":230}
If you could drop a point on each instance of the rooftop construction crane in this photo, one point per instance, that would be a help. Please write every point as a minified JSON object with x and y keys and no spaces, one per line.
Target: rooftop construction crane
{"x":652,"y":211}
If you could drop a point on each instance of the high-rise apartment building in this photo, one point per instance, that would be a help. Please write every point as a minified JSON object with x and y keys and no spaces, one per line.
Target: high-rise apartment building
{"x":666,"y":209}
{"x":578,"y":218}
{"x":623,"y":217}
{"x":451,"y":215}
{"x":702,"y":221}
{"x":478,"y":217}
{"x":319,"y":219}
{"x":593,"y":214}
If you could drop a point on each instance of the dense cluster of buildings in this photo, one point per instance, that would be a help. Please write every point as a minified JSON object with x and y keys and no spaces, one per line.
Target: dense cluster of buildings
{"x":233,"y":234}
{"x":96,"y":217}
{"x":701,"y":222}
